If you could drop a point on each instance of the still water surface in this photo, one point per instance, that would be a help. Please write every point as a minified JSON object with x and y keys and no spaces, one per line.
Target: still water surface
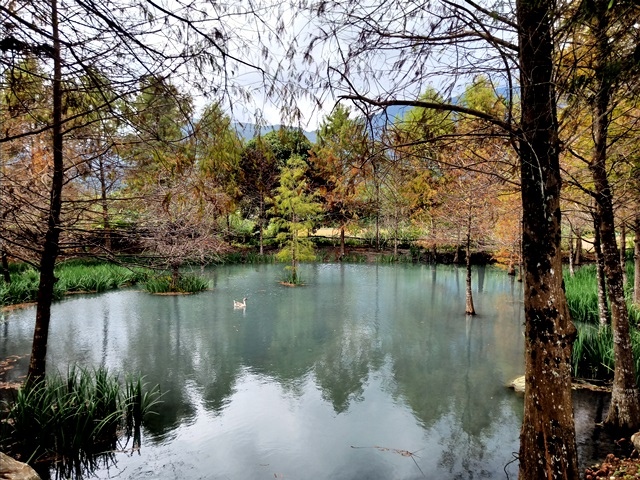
{"x":335,"y":380}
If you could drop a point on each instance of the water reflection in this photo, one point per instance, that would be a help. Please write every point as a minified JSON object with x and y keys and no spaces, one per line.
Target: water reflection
{"x":381,"y":358}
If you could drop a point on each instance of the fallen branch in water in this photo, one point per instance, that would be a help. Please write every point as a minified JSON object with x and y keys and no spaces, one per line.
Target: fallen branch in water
{"x":404,"y":453}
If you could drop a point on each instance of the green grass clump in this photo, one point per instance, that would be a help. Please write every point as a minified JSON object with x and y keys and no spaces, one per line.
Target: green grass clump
{"x":24,"y":288}
{"x":73,"y":276}
{"x":75,"y":420}
{"x":592,"y":355}
{"x":582,"y":295}
{"x":97,"y":278}
{"x":184,"y":284}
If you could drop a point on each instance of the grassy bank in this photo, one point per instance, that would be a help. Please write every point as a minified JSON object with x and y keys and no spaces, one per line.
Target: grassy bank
{"x":73,"y":277}
{"x":72,"y":421}
{"x":593,"y":349}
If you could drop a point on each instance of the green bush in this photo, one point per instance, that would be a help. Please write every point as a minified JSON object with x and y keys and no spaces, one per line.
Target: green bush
{"x":184,"y":284}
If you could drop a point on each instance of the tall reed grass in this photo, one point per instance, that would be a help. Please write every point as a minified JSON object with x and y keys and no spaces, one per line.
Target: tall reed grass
{"x":592,"y":355}
{"x":72,"y":277}
{"x":582,"y":295}
{"x":98,"y":278}
{"x":74,"y":421}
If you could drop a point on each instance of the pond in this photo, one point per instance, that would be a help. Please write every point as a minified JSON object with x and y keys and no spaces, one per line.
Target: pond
{"x":367,"y":372}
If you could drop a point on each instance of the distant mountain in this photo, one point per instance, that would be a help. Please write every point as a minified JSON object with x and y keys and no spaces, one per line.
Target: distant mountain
{"x":247,"y":131}
{"x":395,"y":113}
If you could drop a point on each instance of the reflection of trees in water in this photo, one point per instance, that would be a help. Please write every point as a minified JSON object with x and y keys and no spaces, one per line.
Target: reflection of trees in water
{"x":353,"y":351}
{"x":444,"y":368}
{"x":340,"y":335}
{"x":346,"y":364}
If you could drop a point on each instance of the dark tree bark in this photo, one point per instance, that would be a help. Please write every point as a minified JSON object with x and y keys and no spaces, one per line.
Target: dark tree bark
{"x":623,"y":252}
{"x":572,"y":270}
{"x":604,"y":315}
{"x":37,"y":364}
{"x":469,"y":308}
{"x":636,"y":260}
{"x":578,"y":254}
{"x":6,"y":275}
{"x":261,"y":223}
{"x":547,"y":440}
{"x":624,"y":411}
{"x":106,"y":224}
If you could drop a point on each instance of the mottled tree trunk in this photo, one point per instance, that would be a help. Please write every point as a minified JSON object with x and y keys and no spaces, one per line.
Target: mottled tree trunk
{"x":604,"y":315}
{"x":572,"y":270}
{"x":578,"y":254}
{"x":6,"y":274}
{"x":623,"y":252}
{"x":175,"y":275}
{"x":547,"y":440}
{"x":294,"y":254}
{"x":456,"y":255}
{"x":469,"y":308}
{"x":37,"y":364}
{"x":261,"y":224}
{"x":636,"y":260}
{"x":624,"y":410}
{"x":106,"y":224}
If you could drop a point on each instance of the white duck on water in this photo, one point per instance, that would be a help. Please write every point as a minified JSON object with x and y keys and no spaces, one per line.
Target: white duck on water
{"x":242,"y":304}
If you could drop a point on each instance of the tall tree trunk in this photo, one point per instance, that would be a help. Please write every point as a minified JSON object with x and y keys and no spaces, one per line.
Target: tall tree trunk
{"x":37,"y":364}
{"x":572,"y":270}
{"x":469,"y":309}
{"x":260,"y":224}
{"x":4,"y":261}
{"x":294,"y":254}
{"x":396,"y":221}
{"x":624,"y":410}
{"x":341,"y":242}
{"x":623,"y":252}
{"x":520,"y":255}
{"x":175,"y":275}
{"x":106,"y":225}
{"x":604,"y":315}
{"x":578,"y":258}
{"x":547,"y":439}
{"x":636,"y":260}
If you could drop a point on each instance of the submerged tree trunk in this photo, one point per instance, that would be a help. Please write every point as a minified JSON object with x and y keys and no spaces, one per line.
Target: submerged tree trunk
{"x":547,"y":439}
{"x":604,"y":315}
{"x":469,"y":309}
{"x":37,"y":364}
{"x":624,"y":410}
